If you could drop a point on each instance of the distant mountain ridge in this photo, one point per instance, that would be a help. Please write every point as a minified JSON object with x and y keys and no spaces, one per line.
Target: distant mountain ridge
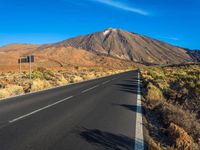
{"x":111,"y":47}
{"x":128,"y":46}
{"x":195,"y":54}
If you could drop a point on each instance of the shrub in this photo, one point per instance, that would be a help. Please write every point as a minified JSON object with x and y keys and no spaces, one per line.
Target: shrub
{"x":154,"y":93}
{"x":11,"y":90}
{"x":39,"y":85}
{"x":48,"y":75}
{"x":37,"y":75}
{"x":152,"y":145}
{"x":75,"y":79}
{"x":4,"y":93}
{"x":182,"y":139}
{"x":156,"y":74}
{"x":181,"y":118}
{"x":15,"y":90}
{"x":61,"y":81}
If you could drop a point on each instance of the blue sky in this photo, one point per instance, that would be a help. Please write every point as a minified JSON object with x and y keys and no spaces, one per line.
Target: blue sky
{"x":43,"y":21}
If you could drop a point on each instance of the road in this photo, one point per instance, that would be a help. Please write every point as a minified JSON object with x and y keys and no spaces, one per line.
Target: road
{"x":94,"y":115}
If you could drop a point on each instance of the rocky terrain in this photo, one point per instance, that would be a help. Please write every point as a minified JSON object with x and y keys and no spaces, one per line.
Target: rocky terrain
{"x":172,"y":106}
{"x":195,"y":54}
{"x":109,"y":48}
{"x":129,"y":46}
{"x":56,"y":58}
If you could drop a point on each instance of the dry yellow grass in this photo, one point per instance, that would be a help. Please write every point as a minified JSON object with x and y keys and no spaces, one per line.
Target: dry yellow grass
{"x":11,"y":90}
{"x":152,"y":145}
{"x":43,"y":78}
{"x":39,"y":85}
{"x":4,"y":93}
{"x":154,"y":93}
{"x":172,"y":100}
{"x":183,"y":140}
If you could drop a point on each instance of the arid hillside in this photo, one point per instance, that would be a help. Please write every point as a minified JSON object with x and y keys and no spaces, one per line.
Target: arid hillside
{"x":109,"y":48}
{"x":55,"y":58}
{"x":195,"y":54}
{"x":128,"y":46}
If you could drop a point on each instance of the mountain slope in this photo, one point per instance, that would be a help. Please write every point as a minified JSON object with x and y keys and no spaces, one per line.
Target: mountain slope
{"x":49,"y":56}
{"x":129,"y":46}
{"x":195,"y":54}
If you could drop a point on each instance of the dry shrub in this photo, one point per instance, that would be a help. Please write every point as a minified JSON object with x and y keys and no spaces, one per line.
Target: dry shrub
{"x":182,"y":139}
{"x":39,"y":85}
{"x":11,"y":90}
{"x":4,"y":93}
{"x":152,"y":145}
{"x":182,"y":118}
{"x":75,"y":79}
{"x":61,"y":81}
{"x":154,"y":93}
{"x":90,"y":76}
{"x":15,"y":90}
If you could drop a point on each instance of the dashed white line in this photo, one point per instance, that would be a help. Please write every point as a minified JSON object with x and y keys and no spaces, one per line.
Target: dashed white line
{"x":33,"y":112}
{"x":139,"y":139}
{"x":106,"y":82}
{"x":89,"y":89}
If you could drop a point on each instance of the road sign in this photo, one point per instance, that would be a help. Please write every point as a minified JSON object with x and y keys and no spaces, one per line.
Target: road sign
{"x":26,"y":59}
{"x":30,"y":58}
{"x":22,"y":60}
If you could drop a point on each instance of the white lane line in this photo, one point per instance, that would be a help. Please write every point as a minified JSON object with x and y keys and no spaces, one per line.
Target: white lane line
{"x":139,"y":139}
{"x":33,"y":112}
{"x":89,"y":89}
{"x":106,"y":82}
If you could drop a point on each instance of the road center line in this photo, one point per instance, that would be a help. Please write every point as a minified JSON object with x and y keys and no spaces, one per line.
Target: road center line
{"x":43,"y":108}
{"x":106,"y":82}
{"x":139,"y":139}
{"x":89,"y":89}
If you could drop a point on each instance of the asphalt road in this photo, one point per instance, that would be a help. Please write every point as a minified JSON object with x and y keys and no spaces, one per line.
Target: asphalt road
{"x":93,"y":115}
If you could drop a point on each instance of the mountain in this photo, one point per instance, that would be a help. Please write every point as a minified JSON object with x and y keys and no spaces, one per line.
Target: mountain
{"x":195,"y":54}
{"x":109,"y":48}
{"x":15,"y":46}
{"x":51,"y":57}
{"x":128,"y":46}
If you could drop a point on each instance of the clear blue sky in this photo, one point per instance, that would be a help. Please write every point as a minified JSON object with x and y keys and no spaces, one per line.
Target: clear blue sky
{"x":44,"y":21}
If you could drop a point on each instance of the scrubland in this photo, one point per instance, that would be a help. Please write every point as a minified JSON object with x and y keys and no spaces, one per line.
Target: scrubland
{"x":46,"y":78}
{"x":172,"y":106}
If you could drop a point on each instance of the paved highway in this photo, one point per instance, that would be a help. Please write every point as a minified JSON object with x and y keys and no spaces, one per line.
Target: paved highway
{"x":94,"y":115}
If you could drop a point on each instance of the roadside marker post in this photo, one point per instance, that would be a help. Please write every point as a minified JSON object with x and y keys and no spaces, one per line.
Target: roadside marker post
{"x":26,"y":59}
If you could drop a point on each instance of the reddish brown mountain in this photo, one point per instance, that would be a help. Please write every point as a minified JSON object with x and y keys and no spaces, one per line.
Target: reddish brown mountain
{"x":109,"y":48}
{"x":129,"y":46}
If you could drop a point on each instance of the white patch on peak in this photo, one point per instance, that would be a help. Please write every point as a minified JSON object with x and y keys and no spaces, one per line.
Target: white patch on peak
{"x":106,"y":32}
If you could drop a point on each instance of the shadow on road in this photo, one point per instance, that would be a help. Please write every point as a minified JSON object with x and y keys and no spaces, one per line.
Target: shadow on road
{"x":130,"y":86}
{"x":107,"y":140}
{"x":130,"y":107}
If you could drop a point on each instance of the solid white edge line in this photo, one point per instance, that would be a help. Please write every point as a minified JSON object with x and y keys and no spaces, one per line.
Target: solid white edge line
{"x":139,"y":139}
{"x":33,"y":112}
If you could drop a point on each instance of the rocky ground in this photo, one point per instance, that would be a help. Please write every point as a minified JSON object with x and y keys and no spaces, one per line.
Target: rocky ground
{"x":172,"y":106}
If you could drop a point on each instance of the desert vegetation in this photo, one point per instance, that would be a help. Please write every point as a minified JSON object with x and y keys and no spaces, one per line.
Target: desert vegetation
{"x":46,"y":78}
{"x":172,"y":106}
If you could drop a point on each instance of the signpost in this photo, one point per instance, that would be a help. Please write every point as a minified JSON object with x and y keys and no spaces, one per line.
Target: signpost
{"x":26,"y":59}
